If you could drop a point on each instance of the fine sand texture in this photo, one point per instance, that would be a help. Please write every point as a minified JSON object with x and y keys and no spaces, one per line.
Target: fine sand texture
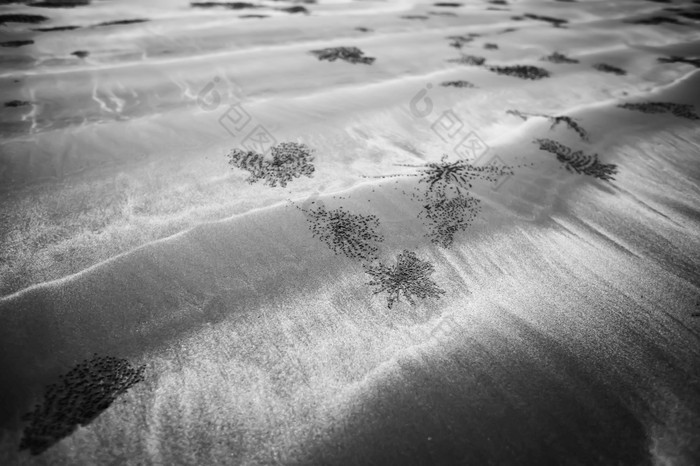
{"x":350,"y":232}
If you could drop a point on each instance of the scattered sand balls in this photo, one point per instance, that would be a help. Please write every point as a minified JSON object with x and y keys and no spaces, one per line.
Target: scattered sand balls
{"x":679,"y":110}
{"x":456,"y":176}
{"x":409,"y":277}
{"x":444,"y":216}
{"x":78,"y":398}
{"x":348,"y":54}
{"x":471,"y":60}
{"x":555,"y":120}
{"x":557,"y":57}
{"x":353,"y":235}
{"x":521,"y":71}
{"x":443,"y":187}
{"x":676,"y":59}
{"x":577,"y":161}
{"x":290,"y":160}
{"x":459,"y":83}
{"x":458,"y":41}
{"x":605,"y":68}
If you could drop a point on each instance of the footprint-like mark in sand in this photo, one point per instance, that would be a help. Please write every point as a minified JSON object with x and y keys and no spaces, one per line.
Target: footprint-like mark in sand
{"x":409,"y":276}
{"x":290,"y":160}
{"x":78,"y":398}
{"x":348,"y":54}
{"x":577,"y":161}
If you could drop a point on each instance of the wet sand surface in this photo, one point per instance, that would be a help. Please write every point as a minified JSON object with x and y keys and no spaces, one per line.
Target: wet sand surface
{"x":475,"y":242}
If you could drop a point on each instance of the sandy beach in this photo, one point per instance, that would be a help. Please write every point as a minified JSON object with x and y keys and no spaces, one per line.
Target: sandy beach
{"x":350,"y":232}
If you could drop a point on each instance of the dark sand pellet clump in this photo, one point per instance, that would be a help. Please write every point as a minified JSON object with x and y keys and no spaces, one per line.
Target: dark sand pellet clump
{"x":409,"y":276}
{"x":472,"y":60}
{"x":352,"y":235}
{"x":521,"y":71}
{"x":605,"y":68}
{"x":557,"y":57}
{"x":79,"y":397}
{"x":577,"y":161}
{"x":680,"y":110}
{"x":458,"y":83}
{"x":290,"y":160}
{"x":16,"y":43}
{"x":348,"y":54}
